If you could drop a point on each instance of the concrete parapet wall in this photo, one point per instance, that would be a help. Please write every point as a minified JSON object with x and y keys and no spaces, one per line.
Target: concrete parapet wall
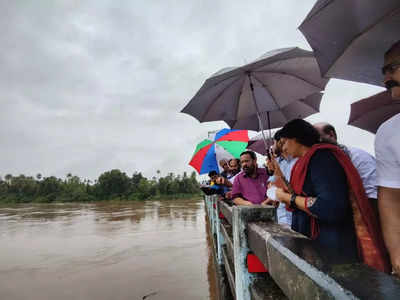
{"x":297,"y":267}
{"x":304,"y":270}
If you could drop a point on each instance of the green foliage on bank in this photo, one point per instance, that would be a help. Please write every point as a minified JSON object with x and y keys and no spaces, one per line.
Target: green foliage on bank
{"x":111,"y":185}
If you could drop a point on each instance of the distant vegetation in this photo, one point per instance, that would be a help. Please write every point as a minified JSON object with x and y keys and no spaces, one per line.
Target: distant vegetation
{"x":111,"y":185}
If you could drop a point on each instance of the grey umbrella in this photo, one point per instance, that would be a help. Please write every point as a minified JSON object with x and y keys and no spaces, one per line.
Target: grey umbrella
{"x":256,"y":144}
{"x":301,"y":108}
{"x":350,"y":37}
{"x":298,"y":109}
{"x":266,"y":85}
{"x":371,"y":112}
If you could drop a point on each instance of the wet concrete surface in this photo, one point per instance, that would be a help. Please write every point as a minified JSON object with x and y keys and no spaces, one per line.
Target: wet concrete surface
{"x":106,"y":251}
{"x":294,"y":259}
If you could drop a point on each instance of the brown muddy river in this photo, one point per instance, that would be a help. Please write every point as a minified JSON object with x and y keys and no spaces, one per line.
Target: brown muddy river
{"x":106,"y":251}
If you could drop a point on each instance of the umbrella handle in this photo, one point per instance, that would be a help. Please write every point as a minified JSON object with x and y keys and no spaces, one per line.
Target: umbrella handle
{"x":259,"y":117}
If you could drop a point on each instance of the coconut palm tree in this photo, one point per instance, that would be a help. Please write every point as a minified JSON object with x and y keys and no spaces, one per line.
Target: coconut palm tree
{"x":8,"y":178}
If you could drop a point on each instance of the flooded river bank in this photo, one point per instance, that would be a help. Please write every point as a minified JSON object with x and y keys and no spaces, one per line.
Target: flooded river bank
{"x":105,"y":251}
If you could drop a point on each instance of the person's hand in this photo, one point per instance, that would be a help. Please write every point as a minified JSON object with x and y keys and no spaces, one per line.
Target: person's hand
{"x":270,"y":165}
{"x":220,"y":180}
{"x":270,"y":202}
{"x":280,"y":183}
{"x":270,"y":184}
{"x":273,"y":165}
{"x":282,"y":195}
{"x":396,"y":268}
{"x":228,"y":195}
{"x":277,"y":169}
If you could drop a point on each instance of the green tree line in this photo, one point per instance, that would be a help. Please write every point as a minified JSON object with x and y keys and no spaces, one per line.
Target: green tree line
{"x":110,"y":185}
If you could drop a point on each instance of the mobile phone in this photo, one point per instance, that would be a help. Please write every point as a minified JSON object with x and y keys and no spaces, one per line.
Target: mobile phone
{"x":270,"y":173}
{"x":269,"y":153}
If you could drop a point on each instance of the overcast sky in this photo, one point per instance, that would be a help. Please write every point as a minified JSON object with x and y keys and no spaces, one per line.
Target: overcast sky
{"x":89,"y":86}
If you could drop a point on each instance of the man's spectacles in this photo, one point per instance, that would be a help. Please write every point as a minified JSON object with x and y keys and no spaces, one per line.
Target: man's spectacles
{"x":390,"y":68}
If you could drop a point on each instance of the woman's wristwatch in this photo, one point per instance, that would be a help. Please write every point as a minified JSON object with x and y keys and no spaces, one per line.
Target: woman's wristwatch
{"x":292,"y":204}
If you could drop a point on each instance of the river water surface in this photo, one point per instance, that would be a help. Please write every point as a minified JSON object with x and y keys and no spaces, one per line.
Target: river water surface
{"x":106,"y":251}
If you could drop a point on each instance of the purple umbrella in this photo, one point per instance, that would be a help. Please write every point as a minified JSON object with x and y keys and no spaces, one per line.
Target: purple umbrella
{"x":371,"y":112}
{"x":349,"y":37}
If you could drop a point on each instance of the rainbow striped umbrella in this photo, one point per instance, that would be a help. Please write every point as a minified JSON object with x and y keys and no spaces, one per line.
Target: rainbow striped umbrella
{"x":226,"y":144}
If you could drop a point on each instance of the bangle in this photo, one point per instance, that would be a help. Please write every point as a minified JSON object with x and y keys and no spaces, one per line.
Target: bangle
{"x":293,"y":201}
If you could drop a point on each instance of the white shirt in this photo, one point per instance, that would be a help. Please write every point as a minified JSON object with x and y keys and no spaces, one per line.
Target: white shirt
{"x":232,"y":179}
{"x":287,"y":168}
{"x":387,"y":152}
{"x":284,"y":216}
{"x":366,"y":166}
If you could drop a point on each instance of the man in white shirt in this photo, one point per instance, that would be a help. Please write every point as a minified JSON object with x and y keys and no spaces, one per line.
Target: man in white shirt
{"x":387,"y":151}
{"x":286,"y":164}
{"x":363,"y":161}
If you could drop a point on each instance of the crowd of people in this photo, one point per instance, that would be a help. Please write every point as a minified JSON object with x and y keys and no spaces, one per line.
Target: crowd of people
{"x":337,"y":195}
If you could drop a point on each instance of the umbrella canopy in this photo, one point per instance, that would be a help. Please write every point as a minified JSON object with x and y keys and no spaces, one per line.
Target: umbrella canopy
{"x":268,"y":84}
{"x":298,"y":109}
{"x":349,"y":38}
{"x":258,"y":145}
{"x":226,"y":144}
{"x":371,"y":112}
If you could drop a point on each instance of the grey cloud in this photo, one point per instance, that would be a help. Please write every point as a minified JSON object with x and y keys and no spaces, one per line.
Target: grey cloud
{"x":87,"y":86}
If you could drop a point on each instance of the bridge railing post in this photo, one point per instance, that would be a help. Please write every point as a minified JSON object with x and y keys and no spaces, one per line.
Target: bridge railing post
{"x":212,"y":214}
{"x":220,"y":237}
{"x":208,"y":202}
{"x":241,"y":216}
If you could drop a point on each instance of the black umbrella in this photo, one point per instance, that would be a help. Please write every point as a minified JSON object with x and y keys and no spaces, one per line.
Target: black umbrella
{"x":350,"y":37}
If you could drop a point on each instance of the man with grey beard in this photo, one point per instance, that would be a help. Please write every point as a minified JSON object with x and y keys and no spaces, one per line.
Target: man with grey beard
{"x":363,"y":161}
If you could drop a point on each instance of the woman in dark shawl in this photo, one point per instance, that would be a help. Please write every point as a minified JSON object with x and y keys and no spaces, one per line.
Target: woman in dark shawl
{"x":329,"y":203}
